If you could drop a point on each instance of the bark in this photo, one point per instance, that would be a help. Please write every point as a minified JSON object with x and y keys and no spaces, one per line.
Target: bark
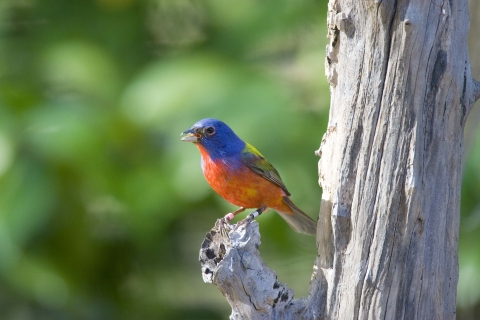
{"x":390,"y":170}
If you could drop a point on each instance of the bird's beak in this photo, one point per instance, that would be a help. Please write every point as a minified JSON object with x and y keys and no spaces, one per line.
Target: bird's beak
{"x":190,"y":135}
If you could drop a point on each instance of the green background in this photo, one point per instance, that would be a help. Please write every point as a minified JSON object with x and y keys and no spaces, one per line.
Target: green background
{"x":102,"y":207}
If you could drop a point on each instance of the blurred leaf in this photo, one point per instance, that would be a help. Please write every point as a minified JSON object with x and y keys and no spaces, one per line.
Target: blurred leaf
{"x":74,"y":66}
{"x":26,"y":199}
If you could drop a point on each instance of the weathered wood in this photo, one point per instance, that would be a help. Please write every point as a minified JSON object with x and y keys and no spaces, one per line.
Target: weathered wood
{"x":390,"y":170}
{"x":231,"y":261}
{"x":476,"y":90}
{"x":391,"y":160}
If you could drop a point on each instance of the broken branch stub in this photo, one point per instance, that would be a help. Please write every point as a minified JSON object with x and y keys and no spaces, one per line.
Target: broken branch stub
{"x":230,"y":260}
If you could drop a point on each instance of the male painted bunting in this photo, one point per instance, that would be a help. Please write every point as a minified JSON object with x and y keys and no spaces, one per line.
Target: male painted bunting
{"x":242,"y":176}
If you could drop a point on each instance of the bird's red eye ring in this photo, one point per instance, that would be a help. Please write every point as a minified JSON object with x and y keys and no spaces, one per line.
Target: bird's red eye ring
{"x":209,"y":131}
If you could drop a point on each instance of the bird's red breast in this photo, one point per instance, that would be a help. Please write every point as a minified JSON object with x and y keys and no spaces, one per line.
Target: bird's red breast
{"x":239,"y":185}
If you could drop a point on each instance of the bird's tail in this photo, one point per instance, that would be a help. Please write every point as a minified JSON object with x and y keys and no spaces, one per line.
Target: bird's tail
{"x":298,"y":220}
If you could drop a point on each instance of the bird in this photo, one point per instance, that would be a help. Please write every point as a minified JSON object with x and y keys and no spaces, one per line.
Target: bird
{"x":240,"y":174}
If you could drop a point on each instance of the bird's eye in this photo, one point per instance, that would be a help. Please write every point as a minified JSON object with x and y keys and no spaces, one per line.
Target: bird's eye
{"x":209,"y":130}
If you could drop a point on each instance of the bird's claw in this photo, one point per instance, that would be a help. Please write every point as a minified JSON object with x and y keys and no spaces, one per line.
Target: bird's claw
{"x":245,"y":221}
{"x":229,"y":216}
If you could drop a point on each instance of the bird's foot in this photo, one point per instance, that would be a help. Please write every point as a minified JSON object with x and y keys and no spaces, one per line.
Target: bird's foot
{"x":250,"y":217}
{"x":245,"y":221}
{"x":229,"y":216}
{"x":223,"y":223}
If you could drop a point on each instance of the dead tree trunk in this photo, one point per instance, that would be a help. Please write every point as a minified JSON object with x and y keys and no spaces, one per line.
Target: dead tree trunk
{"x":401,"y":91}
{"x":390,"y":170}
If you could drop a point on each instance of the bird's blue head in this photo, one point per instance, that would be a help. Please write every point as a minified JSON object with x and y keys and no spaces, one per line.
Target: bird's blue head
{"x":215,"y":137}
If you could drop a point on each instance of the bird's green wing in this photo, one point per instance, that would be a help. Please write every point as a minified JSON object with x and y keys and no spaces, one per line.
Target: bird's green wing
{"x":258,"y":164}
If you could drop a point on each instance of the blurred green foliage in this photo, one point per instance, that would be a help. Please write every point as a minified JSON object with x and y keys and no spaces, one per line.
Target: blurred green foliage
{"x":102,"y":208}
{"x":469,"y":241}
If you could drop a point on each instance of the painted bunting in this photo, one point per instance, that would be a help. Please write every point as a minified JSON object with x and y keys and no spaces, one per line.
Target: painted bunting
{"x":241,"y":175}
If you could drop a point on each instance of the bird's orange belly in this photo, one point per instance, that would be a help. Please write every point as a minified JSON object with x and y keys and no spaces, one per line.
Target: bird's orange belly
{"x":242,"y":187}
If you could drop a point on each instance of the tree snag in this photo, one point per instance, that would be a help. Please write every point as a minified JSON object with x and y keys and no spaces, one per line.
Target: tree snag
{"x":231,"y":261}
{"x":390,"y":170}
